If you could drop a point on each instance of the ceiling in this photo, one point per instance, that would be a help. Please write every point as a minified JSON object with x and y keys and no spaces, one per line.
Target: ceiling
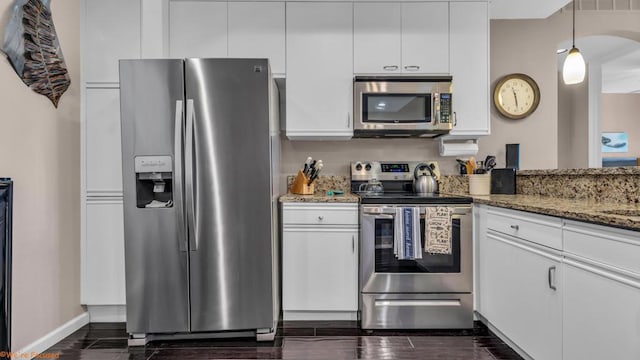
{"x":525,"y":9}
{"x":620,"y":59}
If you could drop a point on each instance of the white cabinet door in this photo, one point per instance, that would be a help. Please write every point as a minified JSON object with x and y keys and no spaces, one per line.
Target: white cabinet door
{"x":425,"y":38}
{"x":320,"y":270}
{"x":376,"y":38}
{"x":319,"y":70}
{"x":257,"y":30}
{"x":197,"y":29}
{"x":517,"y":295}
{"x":103,"y":275}
{"x":469,"y":56}
{"x":103,"y":150}
{"x":601,"y":315}
{"x":112,"y":33}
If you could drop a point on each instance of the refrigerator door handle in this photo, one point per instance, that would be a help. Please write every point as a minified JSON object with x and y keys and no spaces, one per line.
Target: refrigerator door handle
{"x":177,"y":159}
{"x":188,"y":168}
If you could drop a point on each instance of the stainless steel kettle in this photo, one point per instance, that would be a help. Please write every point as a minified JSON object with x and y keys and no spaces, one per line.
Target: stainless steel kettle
{"x":423,"y":183}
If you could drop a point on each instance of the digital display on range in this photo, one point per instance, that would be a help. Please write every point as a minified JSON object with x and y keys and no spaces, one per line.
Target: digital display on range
{"x":395,"y":168}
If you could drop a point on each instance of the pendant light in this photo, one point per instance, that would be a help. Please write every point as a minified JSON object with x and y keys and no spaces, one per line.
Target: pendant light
{"x":574,"y":67}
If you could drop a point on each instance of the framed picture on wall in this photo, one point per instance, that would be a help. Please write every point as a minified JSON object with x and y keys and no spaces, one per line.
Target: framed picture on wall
{"x":615,"y":142}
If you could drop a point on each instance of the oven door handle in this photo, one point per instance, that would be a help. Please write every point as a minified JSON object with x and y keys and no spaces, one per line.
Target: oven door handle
{"x":389,"y":212}
{"x":379,"y":216}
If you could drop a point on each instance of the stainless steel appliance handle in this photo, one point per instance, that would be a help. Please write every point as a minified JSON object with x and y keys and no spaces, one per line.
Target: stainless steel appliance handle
{"x":177,"y":174}
{"x":390,"y":67}
{"x":552,"y":286}
{"x":412,"y":67}
{"x":383,"y":211}
{"x":188,"y":168}
{"x":402,"y":302}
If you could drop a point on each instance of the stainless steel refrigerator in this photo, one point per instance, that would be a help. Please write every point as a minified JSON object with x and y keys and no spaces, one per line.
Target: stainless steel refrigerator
{"x":200,"y":150}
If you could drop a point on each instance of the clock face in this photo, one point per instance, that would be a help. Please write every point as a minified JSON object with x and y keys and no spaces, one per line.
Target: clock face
{"x":516,"y":96}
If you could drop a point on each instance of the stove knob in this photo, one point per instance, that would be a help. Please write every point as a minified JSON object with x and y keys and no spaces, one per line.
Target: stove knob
{"x":358,"y":167}
{"x":367,"y":167}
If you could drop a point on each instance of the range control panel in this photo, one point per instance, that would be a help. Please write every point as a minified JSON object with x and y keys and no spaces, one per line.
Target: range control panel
{"x":390,"y":170}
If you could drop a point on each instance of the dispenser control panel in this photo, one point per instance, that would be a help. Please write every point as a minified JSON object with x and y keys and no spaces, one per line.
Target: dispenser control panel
{"x":153,"y":164}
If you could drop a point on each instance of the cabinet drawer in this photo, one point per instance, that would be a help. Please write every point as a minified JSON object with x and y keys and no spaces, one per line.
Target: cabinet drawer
{"x":320,"y":214}
{"x":540,"y":229}
{"x":615,"y":247}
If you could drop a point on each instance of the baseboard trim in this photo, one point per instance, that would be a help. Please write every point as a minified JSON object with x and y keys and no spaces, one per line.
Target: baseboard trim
{"x":107,"y":313}
{"x":320,"y":315}
{"x":52,"y":338}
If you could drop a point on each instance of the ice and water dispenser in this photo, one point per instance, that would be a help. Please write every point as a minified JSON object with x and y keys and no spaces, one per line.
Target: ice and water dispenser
{"x":154,"y":181}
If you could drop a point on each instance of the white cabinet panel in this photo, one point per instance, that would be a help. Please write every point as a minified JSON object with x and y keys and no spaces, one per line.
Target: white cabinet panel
{"x":257,"y":30}
{"x":320,"y":270}
{"x":197,"y":29}
{"x":469,"y":57}
{"x":104,"y":277}
{"x":112,"y":33}
{"x":517,"y":295}
{"x":425,"y":37}
{"x":103,"y":151}
{"x":376,"y":37}
{"x":319,"y":70}
{"x":601,"y":316}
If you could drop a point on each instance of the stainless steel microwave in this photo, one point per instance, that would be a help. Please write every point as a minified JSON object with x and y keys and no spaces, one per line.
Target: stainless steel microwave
{"x":402,"y":106}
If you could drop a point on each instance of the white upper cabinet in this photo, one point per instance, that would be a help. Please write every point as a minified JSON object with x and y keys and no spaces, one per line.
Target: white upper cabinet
{"x":319,"y":70}
{"x":197,"y":29}
{"x":257,"y":30}
{"x":401,"y":38}
{"x":112,"y":33}
{"x":377,"y":37}
{"x":469,"y":41}
{"x":425,"y":37}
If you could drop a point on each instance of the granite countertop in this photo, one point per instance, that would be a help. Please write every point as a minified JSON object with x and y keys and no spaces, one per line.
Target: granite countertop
{"x":320,"y":197}
{"x":587,"y":210}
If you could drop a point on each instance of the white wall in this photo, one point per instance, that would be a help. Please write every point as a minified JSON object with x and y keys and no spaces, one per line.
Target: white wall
{"x":573,"y":124}
{"x":40,"y":148}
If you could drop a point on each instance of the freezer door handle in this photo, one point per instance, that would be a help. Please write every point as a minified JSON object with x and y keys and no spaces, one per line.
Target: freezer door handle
{"x":188,"y":168}
{"x":177,"y":159}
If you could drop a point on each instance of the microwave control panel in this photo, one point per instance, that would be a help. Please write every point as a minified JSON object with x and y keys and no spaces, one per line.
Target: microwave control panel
{"x":445,"y":107}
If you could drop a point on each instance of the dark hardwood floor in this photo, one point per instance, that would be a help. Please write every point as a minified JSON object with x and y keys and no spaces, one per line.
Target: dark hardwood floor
{"x":314,"y":340}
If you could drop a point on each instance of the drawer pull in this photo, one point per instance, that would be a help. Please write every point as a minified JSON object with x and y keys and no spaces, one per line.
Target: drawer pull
{"x":320,"y":218}
{"x":515,"y":227}
{"x":552,"y":286}
{"x":390,"y":67}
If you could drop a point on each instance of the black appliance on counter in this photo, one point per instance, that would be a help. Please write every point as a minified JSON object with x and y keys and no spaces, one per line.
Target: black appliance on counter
{"x":431,"y":292}
{"x":6,"y":204}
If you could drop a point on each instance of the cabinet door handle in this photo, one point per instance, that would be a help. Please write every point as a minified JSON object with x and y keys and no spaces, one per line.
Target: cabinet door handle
{"x":320,"y":218}
{"x":515,"y":227}
{"x":455,"y":119}
{"x":353,"y":243}
{"x":412,"y":68}
{"x":550,"y":277}
{"x":390,"y":67}
{"x":348,"y":120}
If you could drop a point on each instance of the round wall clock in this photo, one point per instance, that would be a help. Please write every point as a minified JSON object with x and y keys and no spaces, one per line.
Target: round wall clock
{"x":516,"y":96}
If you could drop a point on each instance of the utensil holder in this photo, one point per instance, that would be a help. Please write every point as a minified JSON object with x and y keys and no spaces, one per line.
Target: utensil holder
{"x":479,"y":184}
{"x":300,"y":186}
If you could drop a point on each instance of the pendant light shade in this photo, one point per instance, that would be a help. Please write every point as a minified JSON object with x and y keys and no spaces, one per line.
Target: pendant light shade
{"x":574,"y":68}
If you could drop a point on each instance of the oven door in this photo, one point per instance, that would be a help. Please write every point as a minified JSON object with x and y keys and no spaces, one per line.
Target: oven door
{"x":382,"y":272}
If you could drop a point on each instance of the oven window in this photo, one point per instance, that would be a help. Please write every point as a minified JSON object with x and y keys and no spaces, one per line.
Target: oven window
{"x":396,"y":108}
{"x":386,"y":261}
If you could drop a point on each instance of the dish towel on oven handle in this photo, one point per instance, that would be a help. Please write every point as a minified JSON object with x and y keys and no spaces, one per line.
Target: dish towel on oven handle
{"x":438,"y":230}
{"x":406,"y":242}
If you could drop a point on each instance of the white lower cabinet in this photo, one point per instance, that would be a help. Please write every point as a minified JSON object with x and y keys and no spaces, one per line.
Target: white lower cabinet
{"x":103,"y":273}
{"x":319,"y":262}
{"x":522,"y":293}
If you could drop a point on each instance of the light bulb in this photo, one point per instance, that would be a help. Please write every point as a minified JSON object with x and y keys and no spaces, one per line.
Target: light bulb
{"x":574,"y":67}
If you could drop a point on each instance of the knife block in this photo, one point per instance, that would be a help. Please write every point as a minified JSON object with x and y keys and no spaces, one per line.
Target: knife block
{"x":300,"y":186}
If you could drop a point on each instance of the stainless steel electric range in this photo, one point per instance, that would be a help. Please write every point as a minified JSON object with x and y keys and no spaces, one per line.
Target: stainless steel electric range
{"x":434,"y":292}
